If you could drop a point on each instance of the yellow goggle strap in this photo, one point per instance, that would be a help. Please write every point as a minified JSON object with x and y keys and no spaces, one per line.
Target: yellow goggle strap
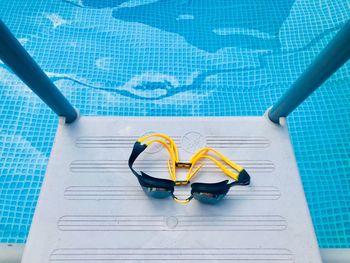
{"x":222,"y":156}
{"x":163,"y":136}
{"x":172,"y":149}
{"x":219,"y":164}
{"x":202,"y":154}
{"x":171,"y":162}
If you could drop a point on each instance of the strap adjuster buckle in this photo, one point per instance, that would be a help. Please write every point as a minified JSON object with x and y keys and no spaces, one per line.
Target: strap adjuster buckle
{"x":183,"y":165}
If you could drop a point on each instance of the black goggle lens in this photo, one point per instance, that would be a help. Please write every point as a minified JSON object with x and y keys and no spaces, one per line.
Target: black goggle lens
{"x":208,"y":198}
{"x":157,"y":192}
{"x":210,"y":193}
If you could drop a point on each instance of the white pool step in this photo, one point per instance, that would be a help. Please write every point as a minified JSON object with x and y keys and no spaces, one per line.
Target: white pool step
{"x":92,"y":209}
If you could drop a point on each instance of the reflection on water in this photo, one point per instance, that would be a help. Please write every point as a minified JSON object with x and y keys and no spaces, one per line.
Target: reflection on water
{"x":96,"y":3}
{"x":209,"y":17}
{"x":203,"y":24}
{"x":153,"y":86}
{"x":246,"y":24}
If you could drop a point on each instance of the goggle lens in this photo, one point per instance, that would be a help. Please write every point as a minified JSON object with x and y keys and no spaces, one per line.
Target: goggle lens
{"x":208,"y":198}
{"x":157,"y":192}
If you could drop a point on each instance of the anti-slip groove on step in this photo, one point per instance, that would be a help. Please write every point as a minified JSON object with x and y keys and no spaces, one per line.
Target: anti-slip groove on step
{"x":109,"y":166}
{"x":111,"y":141}
{"x":211,"y":141}
{"x":172,"y":223}
{"x":183,"y":255}
{"x":136,"y":193}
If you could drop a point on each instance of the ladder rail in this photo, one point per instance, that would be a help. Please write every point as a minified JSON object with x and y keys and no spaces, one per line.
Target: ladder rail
{"x":333,"y":56}
{"x":23,"y":65}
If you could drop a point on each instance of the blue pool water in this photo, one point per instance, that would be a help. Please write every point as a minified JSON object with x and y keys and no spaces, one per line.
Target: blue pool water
{"x":177,"y":57}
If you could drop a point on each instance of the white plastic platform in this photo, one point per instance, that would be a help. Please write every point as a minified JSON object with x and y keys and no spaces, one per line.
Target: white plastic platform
{"x":92,"y":208}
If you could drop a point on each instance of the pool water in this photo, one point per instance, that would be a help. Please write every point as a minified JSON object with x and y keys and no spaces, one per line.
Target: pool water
{"x":177,"y":58}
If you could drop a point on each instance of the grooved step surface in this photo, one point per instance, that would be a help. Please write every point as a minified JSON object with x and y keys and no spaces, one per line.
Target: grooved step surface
{"x":135,"y":193}
{"x":210,"y":141}
{"x":179,"y":255}
{"x":160,"y":223}
{"x":105,"y":166}
{"x":92,"y":209}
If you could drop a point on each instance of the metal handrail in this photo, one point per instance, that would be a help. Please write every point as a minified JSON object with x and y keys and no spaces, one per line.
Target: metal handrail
{"x":333,"y":56}
{"x":24,"y":66}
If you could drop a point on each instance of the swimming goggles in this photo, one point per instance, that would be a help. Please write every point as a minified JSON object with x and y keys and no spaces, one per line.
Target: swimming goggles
{"x":203,"y":192}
